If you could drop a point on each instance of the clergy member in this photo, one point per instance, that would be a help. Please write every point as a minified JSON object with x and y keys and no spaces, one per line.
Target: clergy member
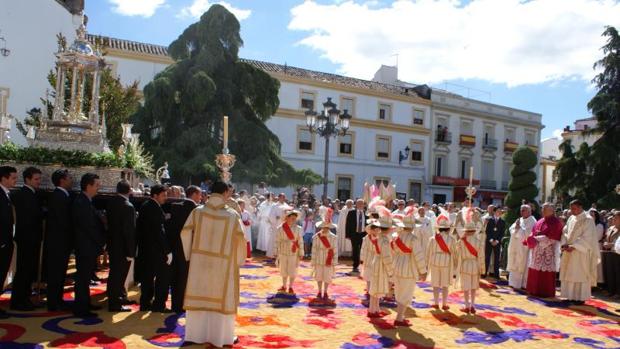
{"x":580,"y":255}
{"x":518,"y":252}
{"x":544,"y":243}
{"x":215,"y":248}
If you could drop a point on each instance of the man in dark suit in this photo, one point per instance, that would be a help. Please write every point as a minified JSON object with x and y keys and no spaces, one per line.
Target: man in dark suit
{"x":28,"y":237}
{"x":495,"y":232}
{"x":154,"y":254}
{"x":58,"y":239}
{"x":179,"y":213}
{"x":8,"y":179}
{"x":355,"y":231}
{"x":89,"y":242}
{"x":121,"y":244}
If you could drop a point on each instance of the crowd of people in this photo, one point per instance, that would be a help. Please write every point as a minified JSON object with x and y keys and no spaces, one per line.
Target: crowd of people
{"x":169,"y":247}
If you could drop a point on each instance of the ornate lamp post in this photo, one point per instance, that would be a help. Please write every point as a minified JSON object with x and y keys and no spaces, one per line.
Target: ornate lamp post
{"x":328,"y":123}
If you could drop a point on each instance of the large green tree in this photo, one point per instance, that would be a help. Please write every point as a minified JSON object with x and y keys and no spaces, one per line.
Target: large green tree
{"x":181,"y":120}
{"x":522,"y":187}
{"x":592,"y":172}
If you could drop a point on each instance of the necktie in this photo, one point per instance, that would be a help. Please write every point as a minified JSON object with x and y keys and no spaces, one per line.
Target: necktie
{"x":360,"y":224}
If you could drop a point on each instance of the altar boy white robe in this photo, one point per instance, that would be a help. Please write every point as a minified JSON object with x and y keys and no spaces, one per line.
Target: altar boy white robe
{"x":214,"y":244}
{"x":518,"y":253}
{"x":578,"y":269}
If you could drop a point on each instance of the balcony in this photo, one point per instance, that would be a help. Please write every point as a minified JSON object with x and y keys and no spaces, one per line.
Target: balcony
{"x":454,"y":182}
{"x":489,"y":144}
{"x":443,"y":137}
{"x":504,"y":185}
{"x":467,"y":140}
{"x":510,"y":147}
{"x":488,"y":184}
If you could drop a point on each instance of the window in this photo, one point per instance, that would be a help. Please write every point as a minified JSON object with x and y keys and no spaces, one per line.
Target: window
{"x":530,"y":139}
{"x":488,"y":133}
{"x":345,"y":144}
{"x":417,"y":148}
{"x":343,"y":187}
{"x":442,"y":121}
{"x":348,"y":104}
{"x":510,"y":134}
{"x":4,"y":99}
{"x":385,"y":111}
{"x":418,"y":117}
{"x":415,"y":191}
{"x":488,"y":172}
{"x":383,"y":147}
{"x":506,"y":175}
{"x":465,"y":164}
{"x":307,"y":100}
{"x":467,"y":127}
{"x":440,"y":161}
{"x":305,"y":140}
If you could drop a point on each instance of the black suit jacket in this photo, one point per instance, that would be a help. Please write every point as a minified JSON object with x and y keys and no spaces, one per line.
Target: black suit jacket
{"x":152,"y":240}
{"x":6,"y":219}
{"x":351,"y":224}
{"x":58,"y":224}
{"x":492,"y":232}
{"x":121,"y":227}
{"x":89,"y":232}
{"x":28,"y":216}
{"x":179,"y":212}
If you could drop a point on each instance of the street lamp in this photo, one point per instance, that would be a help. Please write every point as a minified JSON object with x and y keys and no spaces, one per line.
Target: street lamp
{"x":328,"y":123}
{"x":403,"y":154}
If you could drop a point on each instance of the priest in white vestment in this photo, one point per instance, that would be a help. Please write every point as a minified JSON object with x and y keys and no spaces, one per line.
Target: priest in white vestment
{"x":264,"y":227}
{"x":276,"y":217}
{"x":518,"y":252}
{"x":580,"y":255}
{"x":344,"y":244}
{"x":214,"y":244}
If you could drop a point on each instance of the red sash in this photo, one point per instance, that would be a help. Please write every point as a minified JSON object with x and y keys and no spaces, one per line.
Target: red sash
{"x":442,"y":244}
{"x":401,"y":245}
{"x":330,"y":250}
{"x":247,"y":223}
{"x":471,"y":248}
{"x":290,"y":236}
{"x":376,"y":243}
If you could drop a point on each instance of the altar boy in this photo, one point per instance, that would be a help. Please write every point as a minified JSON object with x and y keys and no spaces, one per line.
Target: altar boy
{"x":289,"y":250}
{"x":324,"y":259}
{"x":470,"y":259}
{"x":440,"y":259}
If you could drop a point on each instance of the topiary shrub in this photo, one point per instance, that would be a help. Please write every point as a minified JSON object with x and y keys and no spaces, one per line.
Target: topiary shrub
{"x":523,"y":183}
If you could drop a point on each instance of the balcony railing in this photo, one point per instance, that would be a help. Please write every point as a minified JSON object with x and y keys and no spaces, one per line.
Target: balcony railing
{"x":467,"y":140}
{"x":504,"y":185}
{"x":510,"y":146}
{"x":443,"y":137}
{"x":488,"y":184}
{"x":489,"y":144}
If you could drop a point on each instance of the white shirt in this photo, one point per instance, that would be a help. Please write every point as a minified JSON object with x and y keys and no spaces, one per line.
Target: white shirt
{"x":360,"y":221}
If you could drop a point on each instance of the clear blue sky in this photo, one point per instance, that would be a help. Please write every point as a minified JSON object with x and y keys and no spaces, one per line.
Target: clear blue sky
{"x":530,"y":71}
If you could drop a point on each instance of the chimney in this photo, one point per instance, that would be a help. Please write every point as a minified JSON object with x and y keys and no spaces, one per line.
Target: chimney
{"x":387,"y":75}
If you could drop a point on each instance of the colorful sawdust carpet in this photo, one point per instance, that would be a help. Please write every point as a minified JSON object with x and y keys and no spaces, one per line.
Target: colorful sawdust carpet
{"x":505,"y":319}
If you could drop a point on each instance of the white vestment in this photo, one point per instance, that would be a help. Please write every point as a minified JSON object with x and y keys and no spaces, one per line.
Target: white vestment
{"x":264,"y":228}
{"x":344,"y":244}
{"x":276,"y":217}
{"x":578,"y":268}
{"x":518,"y":253}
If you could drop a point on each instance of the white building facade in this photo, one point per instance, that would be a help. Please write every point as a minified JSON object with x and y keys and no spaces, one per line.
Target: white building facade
{"x":471,"y":133}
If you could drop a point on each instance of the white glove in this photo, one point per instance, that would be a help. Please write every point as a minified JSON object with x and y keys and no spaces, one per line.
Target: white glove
{"x":169,"y":261}
{"x":129,"y":259}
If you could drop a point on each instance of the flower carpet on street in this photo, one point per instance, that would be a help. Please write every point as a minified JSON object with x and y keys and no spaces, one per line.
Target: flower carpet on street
{"x":505,"y":319}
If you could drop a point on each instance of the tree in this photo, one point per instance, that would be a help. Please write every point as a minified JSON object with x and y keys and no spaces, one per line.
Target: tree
{"x":592,"y":173}
{"x":522,"y":187}
{"x":181,"y":120}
